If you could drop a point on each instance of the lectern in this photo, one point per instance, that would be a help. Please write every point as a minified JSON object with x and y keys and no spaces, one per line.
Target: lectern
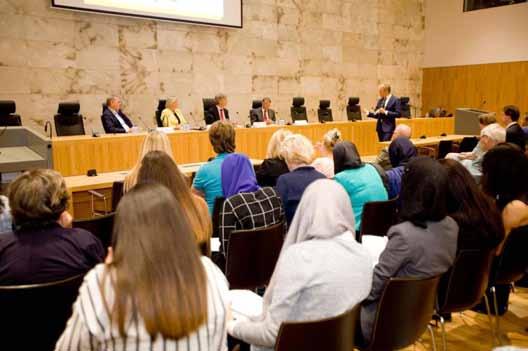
{"x":467,"y":121}
{"x":22,"y":149}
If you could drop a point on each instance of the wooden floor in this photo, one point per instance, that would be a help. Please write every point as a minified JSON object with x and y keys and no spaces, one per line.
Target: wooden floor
{"x":471,"y":331}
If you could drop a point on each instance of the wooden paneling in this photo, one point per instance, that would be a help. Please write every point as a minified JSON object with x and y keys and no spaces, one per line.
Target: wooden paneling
{"x":487,"y":86}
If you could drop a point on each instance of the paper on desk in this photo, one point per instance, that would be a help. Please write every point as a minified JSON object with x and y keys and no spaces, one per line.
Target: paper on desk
{"x":374,"y":245}
{"x":245,"y":303}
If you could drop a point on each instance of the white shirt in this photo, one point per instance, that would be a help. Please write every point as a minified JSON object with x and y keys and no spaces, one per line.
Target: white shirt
{"x":220,"y":112}
{"x":121,"y":120}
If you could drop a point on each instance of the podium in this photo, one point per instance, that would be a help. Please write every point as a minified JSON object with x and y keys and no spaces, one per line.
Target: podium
{"x":467,"y":121}
{"x":22,"y":149}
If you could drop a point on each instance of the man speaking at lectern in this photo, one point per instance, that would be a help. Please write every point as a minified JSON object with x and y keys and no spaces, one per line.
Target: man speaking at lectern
{"x":387,"y":110}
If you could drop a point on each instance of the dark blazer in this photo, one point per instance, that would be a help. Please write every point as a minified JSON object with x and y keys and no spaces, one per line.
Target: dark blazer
{"x":387,"y":122}
{"x":110,"y":123}
{"x":515,"y":135}
{"x":270,"y":170}
{"x":212,"y":115}
{"x":257,"y":115}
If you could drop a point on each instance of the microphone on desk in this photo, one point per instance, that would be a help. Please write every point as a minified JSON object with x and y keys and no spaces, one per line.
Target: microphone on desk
{"x":46,"y":125}
{"x":145,"y":126}
{"x":482,"y":104}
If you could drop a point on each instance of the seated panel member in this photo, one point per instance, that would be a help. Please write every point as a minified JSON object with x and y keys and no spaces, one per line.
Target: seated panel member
{"x":264,"y":113}
{"x":387,"y":110}
{"x":113,"y":119}
{"x":219,"y":111}
{"x":172,"y":116}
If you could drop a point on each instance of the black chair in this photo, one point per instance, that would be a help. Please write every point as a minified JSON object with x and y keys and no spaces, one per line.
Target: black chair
{"x":437,"y":112}
{"x":117,"y":193}
{"x":378,"y":217}
{"x":256,"y":104}
{"x":426,"y":151}
{"x":298,"y":110}
{"x":215,"y":218}
{"x":405,"y":107}
{"x":324,"y":113}
{"x":8,"y":116}
{"x":161,"y":107}
{"x":252,"y":255}
{"x":101,"y":227}
{"x":207,"y":104}
{"x":329,"y":334}
{"x":34,"y":316}
{"x":468,"y":144}
{"x":444,"y":147}
{"x":68,"y":121}
{"x":353,"y":109}
{"x":404,"y":311}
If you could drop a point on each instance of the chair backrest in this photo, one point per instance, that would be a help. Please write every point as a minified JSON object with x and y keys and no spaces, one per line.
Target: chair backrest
{"x":329,"y":334}
{"x":68,"y":121}
{"x":426,"y":151}
{"x":161,"y":107}
{"x":463,"y":286}
{"x":405,"y":107}
{"x":117,"y":193}
{"x":378,"y":217}
{"x":256,"y":104}
{"x":215,"y":218}
{"x":34,"y":316}
{"x":324,"y":113}
{"x":404,"y":310}
{"x":207,"y":104}
{"x":298,"y":110}
{"x":101,"y":226}
{"x":444,"y":147}
{"x":8,"y":118}
{"x":353,"y":109}
{"x":468,"y":144}
{"x":252,"y":255}
{"x":437,"y":112}
{"x":511,"y":264}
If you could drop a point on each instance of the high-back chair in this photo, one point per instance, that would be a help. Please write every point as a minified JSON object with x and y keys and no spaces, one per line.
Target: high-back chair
{"x":324,"y":113}
{"x":444,"y":147}
{"x":468,"y":144}
{"x":353,"y":109}
{"x":298,"y":110}
{"x":256,"y":104}
{"x":405,"y":107}
{"x":68,"y":121}
{"x":378,"y":217}
{"x":8,"y":116}
{"x":102,"y":227}
{"x":161,"y":107}
{"x":34,"y":316}
{"x":117,"y":193}
{"x":207,"y":104}
{"x":215,"y":218}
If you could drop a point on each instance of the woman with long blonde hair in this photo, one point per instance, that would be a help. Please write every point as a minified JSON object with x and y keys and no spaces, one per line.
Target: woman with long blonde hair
{"x":273,"y":166}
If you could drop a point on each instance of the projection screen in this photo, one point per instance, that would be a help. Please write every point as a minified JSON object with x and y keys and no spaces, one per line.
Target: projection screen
{"x":226,"y":13}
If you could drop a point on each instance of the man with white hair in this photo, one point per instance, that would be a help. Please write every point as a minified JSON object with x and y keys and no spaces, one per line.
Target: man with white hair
{"x":387,"y":110}
{"x":402,"y":130}
{"x":490,"y":136}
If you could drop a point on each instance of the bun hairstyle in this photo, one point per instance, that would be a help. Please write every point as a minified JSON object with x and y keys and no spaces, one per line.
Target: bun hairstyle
{"x":331,"y":138}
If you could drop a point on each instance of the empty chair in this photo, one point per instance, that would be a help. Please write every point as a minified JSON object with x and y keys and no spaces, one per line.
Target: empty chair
{"x":324,"y":113}
{"x":252,"y":255}
{"x":101,"y":227}
{"x":444,"y":147}
{"x":117,"y":193}
{"x":207,"y":104}
{"x":34,"y":316}
{"x":161,"y":107}
{"x":68,"y":121}
{"x":329,"y":334}
{"x":353,"y":109}
{"x":378,"y":217}
{"x":468,"y":144}
{"x":405,"y":107}
{"x":8,"y":116}
{"x":298,"y":110}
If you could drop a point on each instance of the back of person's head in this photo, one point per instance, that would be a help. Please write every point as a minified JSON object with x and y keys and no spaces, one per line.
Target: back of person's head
{"x":222,"y":137}
{"x":275,"y":142}
{"x":156,"y":141}
{"x":512,"y":112}
{"x":346,"y":156}
{"x":424,"y":192}
{"x":504,"y":174}
{"x":238,"y":175}
{"x":403,"y":130}
{"x":297,"y":151}
{"x":37,"y":198}
{"x":155,"y":253}
{"x":331,"y":138}
{"x":401,"y":151}
{"x":495,"y":133}
{"x":486,"y":119}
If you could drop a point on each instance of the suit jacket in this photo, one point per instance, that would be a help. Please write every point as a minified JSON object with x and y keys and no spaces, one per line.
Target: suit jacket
{"x":387,"y":122}
{"x":257,"y":116}
{"x":515,"y":135}
{"x":212,"y":115}
{"x":110,"y":123}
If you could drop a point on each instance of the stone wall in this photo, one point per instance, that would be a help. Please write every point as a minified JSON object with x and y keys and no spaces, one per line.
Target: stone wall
{"x":319,"y":49}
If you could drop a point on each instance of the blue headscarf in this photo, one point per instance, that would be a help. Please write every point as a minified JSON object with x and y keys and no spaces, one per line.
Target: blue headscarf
{"x":238,"y":175}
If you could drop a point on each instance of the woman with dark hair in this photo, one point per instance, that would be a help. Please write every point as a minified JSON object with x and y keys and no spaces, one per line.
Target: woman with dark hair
{"x":361,"y":181}
{"x":401,"y":151}
{"x":154,"y":292}
{"x":424,"y":243}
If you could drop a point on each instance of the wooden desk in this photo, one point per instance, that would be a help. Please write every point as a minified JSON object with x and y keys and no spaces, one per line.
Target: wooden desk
{"x":434,"y":140}
{"x":73,"y":156}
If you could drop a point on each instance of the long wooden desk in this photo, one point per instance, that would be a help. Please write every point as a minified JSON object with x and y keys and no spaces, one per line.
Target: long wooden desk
{"x":73,"y":156}
{"x":435,"y":140}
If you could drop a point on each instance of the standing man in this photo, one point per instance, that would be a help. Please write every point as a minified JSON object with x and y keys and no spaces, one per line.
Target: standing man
{"x":113,"y":119}
{"x":219,"y":111}
{"x":514,"y":132}
{"x":263,"y":114}
{"x":387,"y":110}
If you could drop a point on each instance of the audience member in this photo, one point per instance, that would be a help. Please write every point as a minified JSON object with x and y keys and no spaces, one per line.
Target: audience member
{"x":264,"y":113}
{"x":424,"y":244}
{"x":401,"y":151}
{"x":218,"y":112}
{"x":154,"y":291}
{"x":208,"y":180}
{"x":361,"y":181}
{"x":383,"y":160}
{"x":485,"y":120}
{"x":159,"y":168}
{"x":43,"y":247}
{"x":274,"y":165}
{"x":5,"y":215}
{"x":525,"y":125}
{"x":514,"y":132}
{"x":321,"y":272}
{"x":247,"y":205}
{"x":114,"y":120}
{"x":298,"y":152}
{"x":172,"y":116}
{"x":325,"y":163}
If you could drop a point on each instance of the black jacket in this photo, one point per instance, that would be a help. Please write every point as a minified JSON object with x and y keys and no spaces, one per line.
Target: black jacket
{"x":515,"y":135}
{"x":212,"y":115}
{"x":270,"y":170}
{"x":110,"y":123}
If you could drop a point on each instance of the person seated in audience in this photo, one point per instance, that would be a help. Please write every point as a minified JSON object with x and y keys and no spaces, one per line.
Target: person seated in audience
{"x":325,"y":163}
{"x":274,"y":165}
{"x":321,"y":272}
{"x":525,"y":125}
{"x":264,"y":113}
{"x":490,"y":136}
{"x":114,"y":120}
{"x":154,"y":291}
{"x":208,"y":180}
{"x":298,"y":152}
{"x":218,"y":112}
{"x":5,"y":215}
{"x":514,"y":132}
{"x":383,"y":160}
{"x":361,"y":180}
{"x":43,"y":247}
{"x":401,"y":151}
{"x":485,"y":119}
{"x":172,"y":116}
{"x":159,"y":168}
{"x":247,"y":205}
{"x":424,"y":243}
{"x":154,"y":141}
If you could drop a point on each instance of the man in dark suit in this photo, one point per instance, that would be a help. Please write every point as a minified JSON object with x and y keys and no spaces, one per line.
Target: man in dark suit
{"x":218,"y":112}
{"x":514,"y":132}
{"x":264,"y":113}
{"x":387,"y":110}
{"x":113,"y":119}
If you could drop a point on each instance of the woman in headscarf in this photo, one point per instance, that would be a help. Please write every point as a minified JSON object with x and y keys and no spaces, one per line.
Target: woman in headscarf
{"x":247,"y":205}
{"x":401,"y":150}
{"x":310,"y":281}
{"x":361,"y":181}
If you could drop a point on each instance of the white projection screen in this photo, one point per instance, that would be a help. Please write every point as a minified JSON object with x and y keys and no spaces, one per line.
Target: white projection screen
{"x":226,"y":13}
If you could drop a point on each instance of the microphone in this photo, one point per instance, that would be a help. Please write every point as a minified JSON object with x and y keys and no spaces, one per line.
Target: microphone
{"x":147,"y":128}
{"x":46,"y":125}
{"x":482,"y":104}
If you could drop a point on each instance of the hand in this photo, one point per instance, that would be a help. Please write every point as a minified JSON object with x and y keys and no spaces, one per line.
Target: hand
{"x":382,"y":110}
{"x":65,"y":220}
{"x":109,"y":256}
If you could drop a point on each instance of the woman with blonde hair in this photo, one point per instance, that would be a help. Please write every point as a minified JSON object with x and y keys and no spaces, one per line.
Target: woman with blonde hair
{"x":325,"y":163}
{"x":155,"y":141}
{"x":172,"y":116}
{"x":274,"y":165}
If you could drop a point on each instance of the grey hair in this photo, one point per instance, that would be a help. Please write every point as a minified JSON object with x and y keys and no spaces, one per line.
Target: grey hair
{"x":219,"y":97}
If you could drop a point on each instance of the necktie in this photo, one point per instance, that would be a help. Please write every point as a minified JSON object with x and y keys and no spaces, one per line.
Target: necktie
{"x":222,"y":114}
{"x":265,"y":115}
